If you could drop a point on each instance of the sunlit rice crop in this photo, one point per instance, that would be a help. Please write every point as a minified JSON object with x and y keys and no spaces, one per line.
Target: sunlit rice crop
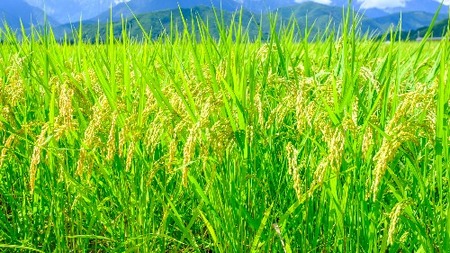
{"x":230,"y":144}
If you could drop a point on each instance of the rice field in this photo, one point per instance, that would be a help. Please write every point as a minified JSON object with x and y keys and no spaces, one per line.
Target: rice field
{"x":194,"y":144}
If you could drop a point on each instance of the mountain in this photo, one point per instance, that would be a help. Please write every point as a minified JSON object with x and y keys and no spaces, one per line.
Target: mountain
{"x":438,"y":30}
{"x":159,"y":22}
{"x":430,"y":6}
{"x":321,"y":15}
{"x":155,"y":14}
{"x":13,"y":13}
{"x":308,"y":14}
{"x":410,"y":20}
{"x":146,"y":6}
{"x":375,"y":9}
{"x":311,"y":13}
{"x":261,"y":6}
{"x":65,"y":11}
{"x":264,"y":6}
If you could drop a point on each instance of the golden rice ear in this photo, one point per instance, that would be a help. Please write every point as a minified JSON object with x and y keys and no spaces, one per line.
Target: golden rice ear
{"x":294,"y":169}
{"x":388,"y":151}
{"x":111,"y":144}
{"x":402,"y":128}
{"x":81,"y":162}
{"x":130,"y":153}
{"x":367,"y":143}
{"x":336,"y":150}
{"x":189,"y":150}
{"x":36,"y":157}
{"x":319,"y":175}
{"x":6,"y":146}
{"x":14,"y":89}
{"x":64,"y":122}
{"x":101,"y":112}
{"x":259,"y":110}
{"x":394,"y":217}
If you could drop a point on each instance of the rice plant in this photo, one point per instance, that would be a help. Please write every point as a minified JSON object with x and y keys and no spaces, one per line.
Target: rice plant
{"x":191,"y":143}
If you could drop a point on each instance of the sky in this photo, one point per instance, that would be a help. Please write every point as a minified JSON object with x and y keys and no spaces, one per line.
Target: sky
{"x":384,"y":4}
{"x":317,"y":1}
{"x":365,"y":4}
{"x":380,"y":4}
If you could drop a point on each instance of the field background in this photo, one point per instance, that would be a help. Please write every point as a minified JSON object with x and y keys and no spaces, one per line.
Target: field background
{"x":192,"y":144}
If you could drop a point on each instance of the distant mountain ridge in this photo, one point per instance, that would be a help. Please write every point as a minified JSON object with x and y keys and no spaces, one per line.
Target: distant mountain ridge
{"x":146,"y":6}
{"x":17,"y":12}
{"x":65,"y":11}
{"x":318,"y":13}
{"x":438,"y":30}
{"x":264,"y":6}
{"x":430,"y":6}
{"x":318,"y":16}
{"x":71,"y":10}
{"x":409,"y":20}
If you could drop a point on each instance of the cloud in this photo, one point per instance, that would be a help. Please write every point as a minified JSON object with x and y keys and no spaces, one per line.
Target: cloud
{"x":446,"y":2}
{"x":121,"y":1}
{"x":382,"y":4}
{"x":386,"y":4}
{"x":317,"y":1}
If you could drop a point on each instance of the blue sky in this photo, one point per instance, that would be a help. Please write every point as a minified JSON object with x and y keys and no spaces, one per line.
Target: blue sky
{"x":317,"y":1}
{"x":90,"y":6}
{"x":380,"y":4}
{"x":366,"y":4}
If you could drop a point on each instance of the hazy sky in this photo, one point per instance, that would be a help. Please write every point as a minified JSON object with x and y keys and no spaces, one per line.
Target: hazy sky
{"x":317,"y":1}
{"x":382,"y":4}
{"x":366,"y":4}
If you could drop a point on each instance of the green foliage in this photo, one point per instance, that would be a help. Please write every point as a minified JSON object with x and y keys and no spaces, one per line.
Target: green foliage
{"x":316,"y":17}
{"x":223,"y":139}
